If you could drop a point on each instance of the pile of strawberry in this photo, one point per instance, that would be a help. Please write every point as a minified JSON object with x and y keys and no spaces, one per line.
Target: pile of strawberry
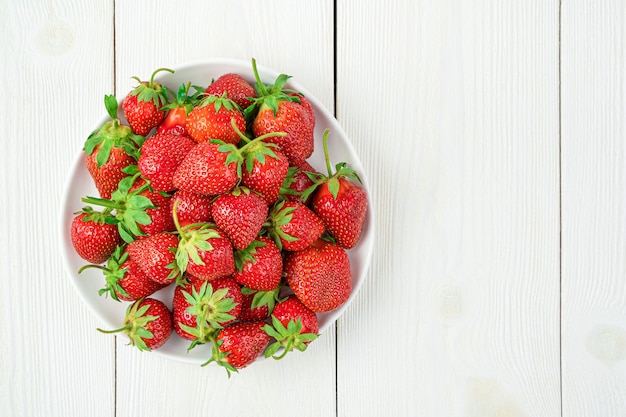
{"x":211,"y":192}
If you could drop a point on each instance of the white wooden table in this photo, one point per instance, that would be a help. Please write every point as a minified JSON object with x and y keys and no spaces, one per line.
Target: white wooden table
{"x":493,"y":136}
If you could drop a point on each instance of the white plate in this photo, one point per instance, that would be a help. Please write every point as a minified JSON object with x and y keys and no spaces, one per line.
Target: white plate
{"x":79,"y":184}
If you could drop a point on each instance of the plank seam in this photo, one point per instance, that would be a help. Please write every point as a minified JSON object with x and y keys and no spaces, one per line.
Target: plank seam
{"x":560,"y":129}
{"x":115,"y":385}
{"x":335,"y":114}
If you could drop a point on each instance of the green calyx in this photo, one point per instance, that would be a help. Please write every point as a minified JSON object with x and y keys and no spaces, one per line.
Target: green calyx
{"x":342,"y":170}
{"x":129,"y":207}
{"x":182,"y":98}
{"x":279,"y":216}
{"x":264,"y":298}
{"x":151,"y":91}
{"x":135,"y":325}
{"x":247,"y":254}
{"x":269,"y":95}
{"x":248,"y":152}
{"x":218,"y":102}
{"x":98,"y":217}
{"x":193,"y":238}
{"x":288,"y":338}
{"x":211,"y":308}
{"x":112,"y":134}
{"x":218,"y":357}
{"x":113,"y":273}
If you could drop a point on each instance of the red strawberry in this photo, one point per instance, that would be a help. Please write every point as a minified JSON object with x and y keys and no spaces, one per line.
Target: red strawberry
{"x":109,"y":149}
{"x":176,"y":119}
{"x":156,"y":256}
{"x":132,"y":209}
{"x":319,"y":276}
{"x":265,"y":171}
{"x":236,"y":88}
{"x":124,"y":278}
{"x":340,"y":204}
{"x":191,"y":207}
{"x":249,"y":313}
{"x":279,"y":110}
{"x":294,"y":326}
{"x":293,"y":226}
{"x":240,"y":214}
{"x":239,"y":344}
{"x":297,"y":181}
{"x":207,"y":170}
{"x":259,"y":266}
{"x":201,"y":307}
{"x":159,"y":214}
{"x":148,"y":324}
{"x":213,"y":118}
{"x":93,"y":239}
{"x":204,"y":251}
{"x":142,"y":106}
{"x":258,"y":305}
{"x":292,"y":309}
{"x":160,"y":156}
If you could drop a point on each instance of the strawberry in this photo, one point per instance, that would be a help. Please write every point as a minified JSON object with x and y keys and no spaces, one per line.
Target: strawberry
{"x":176,"y":118}
{"x":207,"y":170}
{"x":240,"y":213}
{"x":211,"y":119}
{"x":293,"y":226}
{"x":156,"y":256}
{"x":159,"y":214}
{"x":124,"y":278}
{"x":160,"y":156}
{"x":266,"y":168}
{"x":201,"y":307}
{"x":258,"y":305}
{"x":191,"y":207}
{"x":142,"y":105}
{"x":109,"y":149}
{"x":319,"y":275}
{"x":204,"y":250}
{"x":236,"y":88}
{"x":340,"y":204}
{"x":279,"y":110}
{"x":297,"y":181}
{"x":238,"y":345}
{"x":135,"y":214}
{"x":259,"y":266}
{"x":93,"y":238}
{"x":148,"y":324}
{"x":249,"y":313}
{"x":294,"y":326}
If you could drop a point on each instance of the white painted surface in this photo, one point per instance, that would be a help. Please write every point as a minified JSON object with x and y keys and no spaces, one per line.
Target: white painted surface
{"x":492,"y":133}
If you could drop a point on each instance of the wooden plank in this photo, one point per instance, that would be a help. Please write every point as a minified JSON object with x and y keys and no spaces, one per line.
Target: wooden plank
{"x":52,"y":361}
{"x":593,"y":185}
{"x":296,"y":41}
{"x":453,"y":107}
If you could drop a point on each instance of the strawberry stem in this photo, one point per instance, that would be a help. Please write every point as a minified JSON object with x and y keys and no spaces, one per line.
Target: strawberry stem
{"x":121,"y":329}
{"x":157,"y":71}
{"x":103,"y":202}
{"x":100,"y":267}
{"x":260,"y":84}
{"x":255,"y":140}
{"x":326,"y":156}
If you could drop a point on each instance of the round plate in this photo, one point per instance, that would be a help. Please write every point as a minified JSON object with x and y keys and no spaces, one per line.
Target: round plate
{"x":79,"y":184}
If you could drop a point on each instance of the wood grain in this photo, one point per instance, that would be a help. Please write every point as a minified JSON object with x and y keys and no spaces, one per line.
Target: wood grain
{"x":51,"y":357}
{"x":492,"y":136}
{"x":458,"y":127}
{"x":594,"y":185}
